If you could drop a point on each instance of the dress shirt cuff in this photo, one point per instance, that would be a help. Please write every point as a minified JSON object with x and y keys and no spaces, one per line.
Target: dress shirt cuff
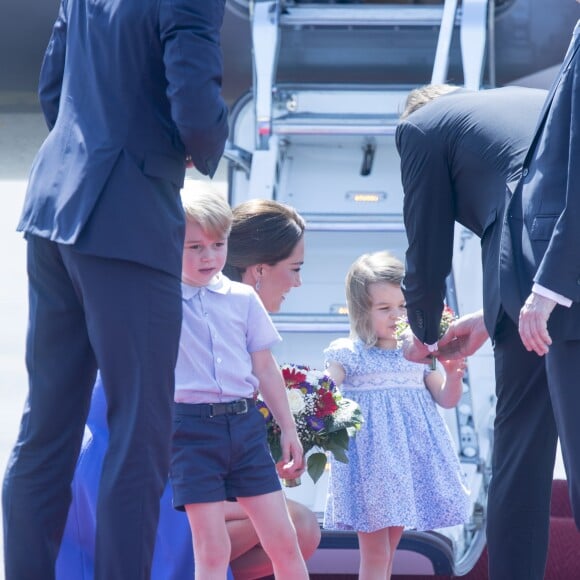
{"x":562,"y":300}
{"x":431,"y":347}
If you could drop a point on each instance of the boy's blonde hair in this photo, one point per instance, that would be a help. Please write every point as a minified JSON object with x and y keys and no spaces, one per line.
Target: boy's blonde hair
{"x":208,"y":208}
{"x":419,"y":97}
{"x":366,"y":270}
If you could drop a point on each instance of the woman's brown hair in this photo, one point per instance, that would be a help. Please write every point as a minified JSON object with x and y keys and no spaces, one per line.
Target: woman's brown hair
{"x":263,"y":232}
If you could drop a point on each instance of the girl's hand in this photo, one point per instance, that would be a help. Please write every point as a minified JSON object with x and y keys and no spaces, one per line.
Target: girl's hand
{"x":447,"y":391}
{"x":454,"y":368}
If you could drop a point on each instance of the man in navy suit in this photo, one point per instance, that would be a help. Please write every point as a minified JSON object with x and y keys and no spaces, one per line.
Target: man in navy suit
{"x":457,"y":153}
{"x":129,"y":90}
{"x":540,"y":291}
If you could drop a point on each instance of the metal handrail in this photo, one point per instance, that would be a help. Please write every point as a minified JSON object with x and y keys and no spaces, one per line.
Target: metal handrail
{"x":448,"y":21}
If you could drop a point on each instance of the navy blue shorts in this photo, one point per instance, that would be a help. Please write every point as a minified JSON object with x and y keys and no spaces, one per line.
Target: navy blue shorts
{"x":215,"y":458}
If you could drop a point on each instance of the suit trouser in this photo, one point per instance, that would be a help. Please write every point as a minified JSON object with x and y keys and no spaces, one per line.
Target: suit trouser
{"x":538,"y":397}
{"x":85,"y":313}
{"x":563,"y":368}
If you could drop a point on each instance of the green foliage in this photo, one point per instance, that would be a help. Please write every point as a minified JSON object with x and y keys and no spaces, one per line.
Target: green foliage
{"x":315,"y":465}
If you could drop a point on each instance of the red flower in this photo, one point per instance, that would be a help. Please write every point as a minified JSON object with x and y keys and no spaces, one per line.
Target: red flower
{"x":293,"y":375}
{"x":326,"y":405}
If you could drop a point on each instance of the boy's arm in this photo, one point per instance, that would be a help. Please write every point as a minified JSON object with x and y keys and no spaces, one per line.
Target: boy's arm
{"x":273,"y":391}
{"x":446,"y":391}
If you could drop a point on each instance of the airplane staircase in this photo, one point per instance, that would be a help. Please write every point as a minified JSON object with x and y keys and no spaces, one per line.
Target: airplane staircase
{"x":326,"y":147}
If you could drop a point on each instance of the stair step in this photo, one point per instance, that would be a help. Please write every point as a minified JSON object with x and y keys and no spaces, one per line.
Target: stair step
{"x":363,"y":15}
{"x":319,"y":124}
{"x":323,"y":323}
{"x":355,"y":225}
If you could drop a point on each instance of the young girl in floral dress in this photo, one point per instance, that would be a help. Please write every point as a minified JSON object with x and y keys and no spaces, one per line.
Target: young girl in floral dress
{"x":403,"y":471}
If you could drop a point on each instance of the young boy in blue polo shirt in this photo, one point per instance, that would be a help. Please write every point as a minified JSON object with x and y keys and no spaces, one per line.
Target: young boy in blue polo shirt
{"x":219,"y":442}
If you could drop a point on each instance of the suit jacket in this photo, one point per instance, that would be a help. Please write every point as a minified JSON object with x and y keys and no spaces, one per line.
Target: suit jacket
{"x":128,"y":89}
{"x":457,"y":152}
{"x":541,"y":235}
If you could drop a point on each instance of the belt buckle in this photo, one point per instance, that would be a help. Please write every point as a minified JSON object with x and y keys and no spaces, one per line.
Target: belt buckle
{"x":244,"y":407}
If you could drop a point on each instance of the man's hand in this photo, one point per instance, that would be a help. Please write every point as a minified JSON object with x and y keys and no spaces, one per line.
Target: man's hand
{"x":463,"y":337}
{"x":533,"y":323}
{"x":413,"y":349}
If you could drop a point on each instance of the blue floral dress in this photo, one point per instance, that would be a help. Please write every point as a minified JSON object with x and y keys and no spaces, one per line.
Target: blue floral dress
{"x":402,"y":470}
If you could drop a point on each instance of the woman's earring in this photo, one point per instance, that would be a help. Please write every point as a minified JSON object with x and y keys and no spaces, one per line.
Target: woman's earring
{"x":258,"y":278}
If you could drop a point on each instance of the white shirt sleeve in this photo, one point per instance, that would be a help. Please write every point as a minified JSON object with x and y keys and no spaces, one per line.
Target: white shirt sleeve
{"x":562,"y":300}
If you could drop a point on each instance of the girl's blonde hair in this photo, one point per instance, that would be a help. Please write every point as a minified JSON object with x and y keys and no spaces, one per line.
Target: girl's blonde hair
{"x":208,"y":208}
{"x":366,"y":270}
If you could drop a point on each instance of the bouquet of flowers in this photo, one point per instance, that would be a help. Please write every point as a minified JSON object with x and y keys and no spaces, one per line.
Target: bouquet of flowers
{"x":447,"y":317}
{"x":324,"y":419}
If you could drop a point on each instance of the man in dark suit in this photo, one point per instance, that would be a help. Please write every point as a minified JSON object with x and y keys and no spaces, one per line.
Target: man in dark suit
{"x":129,"y":90}
{"x":457,"y":152}
{"x":540,"y":289}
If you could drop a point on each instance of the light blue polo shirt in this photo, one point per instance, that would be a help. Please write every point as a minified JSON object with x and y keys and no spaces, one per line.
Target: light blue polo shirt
{"x":222,"y":324}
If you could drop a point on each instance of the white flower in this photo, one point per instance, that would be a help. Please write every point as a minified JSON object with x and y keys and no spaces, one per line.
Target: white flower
{"x":296,"y":401}
{"x":313,"y":377}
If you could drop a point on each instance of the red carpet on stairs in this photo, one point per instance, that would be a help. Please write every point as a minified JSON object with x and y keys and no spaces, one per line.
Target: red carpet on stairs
{"x":563,"y":553}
